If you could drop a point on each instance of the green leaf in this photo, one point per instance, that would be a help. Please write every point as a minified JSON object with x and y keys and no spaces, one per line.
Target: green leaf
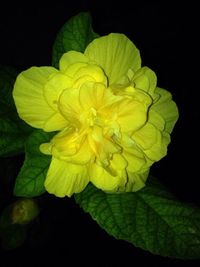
{"x":13,"y":131}
{"x":30,"y":181}
{"x":151,"y":219}
{"x":75,"y":34}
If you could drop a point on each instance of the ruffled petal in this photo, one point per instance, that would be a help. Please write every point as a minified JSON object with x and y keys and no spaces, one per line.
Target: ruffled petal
{"x":145,"y":79}
{"x":136,"y":181}
{"x":91,"y":72}
{"x":83,"y":156}
{"x":29,"y":98}
{"x":70,"y":58}
{"x":131,"y":115}
{"x":104,"y":180}
{"x":167,"y":108}
{"x":55,"y":123}
{"x":147,"y":136}
{"x":69,"y":105}
{"x":52,"y":91}
{"x":64,"y":179}
{"x":116,"y":54}
{"x":135,"y":93}
{"x":46,"y":148}
{"x":91,"y":95}
{"x":66,"y":143}
{"x":102,"y":147}
{"x":156,"y":119}
{"x":136,"y":159}
{"x":72,"y":147}
{"x":54,"y":88}
{"x":152,"y":141}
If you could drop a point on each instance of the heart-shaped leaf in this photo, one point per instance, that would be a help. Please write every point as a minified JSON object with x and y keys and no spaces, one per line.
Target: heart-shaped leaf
{"x":75,"y":34}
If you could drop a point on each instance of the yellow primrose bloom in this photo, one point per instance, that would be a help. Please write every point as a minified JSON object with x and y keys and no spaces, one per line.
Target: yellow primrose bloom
{"x":113,"y":122}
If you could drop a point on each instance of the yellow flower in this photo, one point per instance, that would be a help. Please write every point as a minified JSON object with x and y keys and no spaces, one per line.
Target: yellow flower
{"x":113,"y":122}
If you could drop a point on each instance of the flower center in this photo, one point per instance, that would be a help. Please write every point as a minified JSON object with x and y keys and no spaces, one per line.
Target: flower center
{"x":93,"y":118}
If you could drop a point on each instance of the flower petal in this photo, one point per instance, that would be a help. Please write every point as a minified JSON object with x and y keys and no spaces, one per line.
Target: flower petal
{"x":31,"y":104}
{"x":136,"y":159}
{"x":55,"y":123}
{"x":152,"y":141}
{"x":103,"y":180}
{"x":167,"y":108}
{"x":91,"y":95}
{"x":102,"y":147}
{"x":136,"y":181}
{"x":54,"y":87}
{"x":70,"y":58}
{"x":156,"y":119}
{"x":90,"y":72}
{"x":69,"y":105}
{"x":127,"y":113}
{"x":46,"y":148}
{"x":131,"y":115}
{"x":72,"y":147}
{"x":147,"y":136}
{"x":64,"y":179}
{"x":66,"y":143}
{"x":83,"y":156}
{"x":116,"y":54}
{"x":145,"y":79}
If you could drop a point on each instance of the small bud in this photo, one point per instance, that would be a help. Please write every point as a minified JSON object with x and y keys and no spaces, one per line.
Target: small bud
{"x":24,"y":211}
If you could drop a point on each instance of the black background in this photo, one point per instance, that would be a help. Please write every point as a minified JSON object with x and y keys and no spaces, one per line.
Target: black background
{"x":166,"y":34}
